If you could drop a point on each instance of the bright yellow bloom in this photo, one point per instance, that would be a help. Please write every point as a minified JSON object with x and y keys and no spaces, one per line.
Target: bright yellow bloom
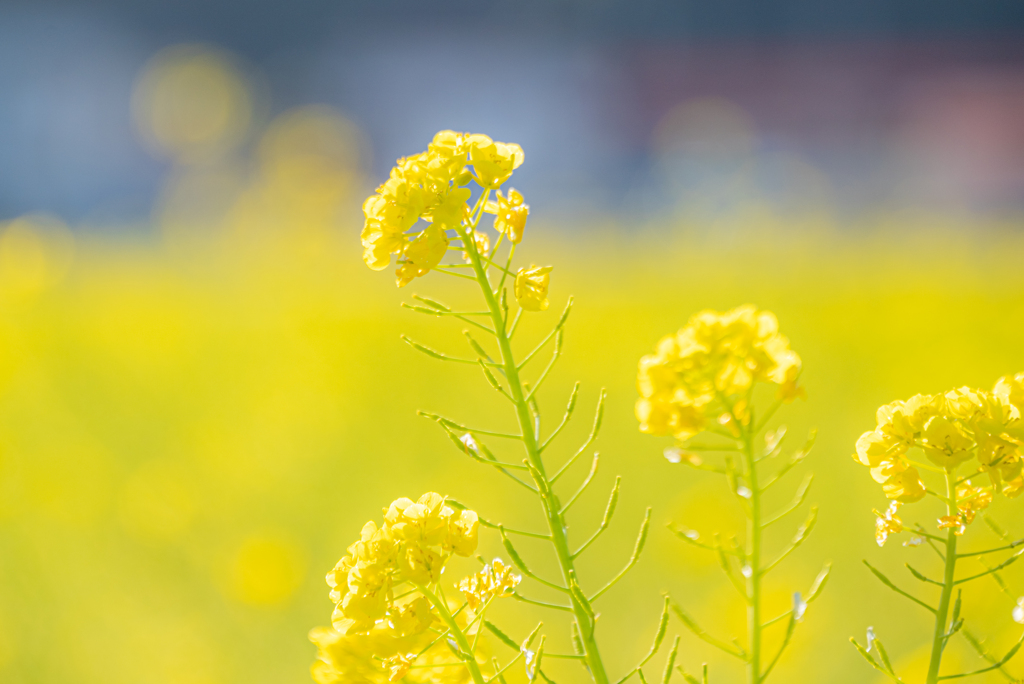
{"x":429,"y":187}
{"x":510,"y":213}
{"x":703,"y":372}
{"x":413,"y":545}
{"x":531,"y":288}
{"x":493,"y":161}
{"x":493,"y":581}
{"x":888,"y":523}
{"x":951,"y":429}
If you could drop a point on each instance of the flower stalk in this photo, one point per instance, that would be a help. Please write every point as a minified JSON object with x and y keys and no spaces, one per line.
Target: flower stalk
{"x":549,"y":500}
{"x":702,"y":380}
{"x":964,"y":427}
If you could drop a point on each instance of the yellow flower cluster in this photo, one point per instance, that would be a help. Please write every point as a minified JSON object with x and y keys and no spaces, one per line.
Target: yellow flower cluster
{"x":412,"y":546}
{"x":493,"y":581}
{"x":381,"y":655}
{"x":431,"y":186}
{"x":709,"y":365}
{"x":950,"y":429}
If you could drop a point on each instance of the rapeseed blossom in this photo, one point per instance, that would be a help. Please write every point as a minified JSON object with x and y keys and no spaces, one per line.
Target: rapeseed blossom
{"x":959,"y":427}
{"x":705,"y":372}
{"x":510,"y":213}
{"x":431,"y":186}
{"x":380,"y":655}
{"x":493,"y":581}
{"x":380,"y":588}
{"x":531,"y":287}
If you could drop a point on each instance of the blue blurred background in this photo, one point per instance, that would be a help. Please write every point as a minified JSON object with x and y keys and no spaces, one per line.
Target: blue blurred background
{"x":859,"y":103}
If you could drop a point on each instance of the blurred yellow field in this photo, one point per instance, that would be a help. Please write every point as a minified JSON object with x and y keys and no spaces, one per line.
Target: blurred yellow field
{"x":193,"y":432}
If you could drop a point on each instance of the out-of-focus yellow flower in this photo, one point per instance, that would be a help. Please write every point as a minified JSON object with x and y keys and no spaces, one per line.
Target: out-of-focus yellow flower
{"x":397,"y":666}
{"x":1010,"y":390}
{"x":704,"y":371}
{"x":493,"y":161}
{"x":903,"y":421}
{"x":422,"y":254}
{"x":905,"y":487}
{"x":483,"y":245}
{"x":888,"y":523}
{"x":493,"y":581}
{"x":945,"y":443}
{"x":511,"y":214}
{"x":971,"y":499}
{"x":382,"y":655}
{"x":882,"y":453}
{"x":531,"y":287}
{"x":952,"y":522}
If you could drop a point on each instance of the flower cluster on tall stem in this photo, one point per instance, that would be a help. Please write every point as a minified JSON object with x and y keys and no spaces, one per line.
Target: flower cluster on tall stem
{"x":972,"y":441}
{"x":423,"y":215}
{"x":702,"y":381}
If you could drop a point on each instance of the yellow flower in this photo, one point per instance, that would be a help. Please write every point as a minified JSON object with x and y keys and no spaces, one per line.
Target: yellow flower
{"x":483,"y":245}
{"x":510,"y":213}
{"x":888,"y":523}
{"x":493,"y":581}
{"x":451,"y":210}
{"x":882,"y":453}
{"x":493,"y":161}
{"x":952,"y":522}
{"x":697,"y":375}
{"x":412,"y":545}
{"x":904,"y":420}
{"x":905,"y":487}
{"x":970,"y":500}
{"x":531,"y":288}
{"x":365,"y":658}
{"x":422,"y":254}
{"x":397,"y":666}
{"x":411,"y":617}
{"x":945,"y":443}
{"x":1010,"y":390}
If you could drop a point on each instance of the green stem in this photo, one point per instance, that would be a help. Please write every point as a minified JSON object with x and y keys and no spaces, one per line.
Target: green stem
{"x":456,"y":631}
{"x":939,"y":635}
{"x":753,"y":553}
{"x":552,"y":512}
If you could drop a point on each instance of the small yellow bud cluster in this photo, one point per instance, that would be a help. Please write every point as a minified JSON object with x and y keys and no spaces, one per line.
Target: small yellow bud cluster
{"x":493,"y":581}
{"x":432,"y":186}
{"x":951,"y":429}
{"x":717,"y":358}
{"x":412,"y":546}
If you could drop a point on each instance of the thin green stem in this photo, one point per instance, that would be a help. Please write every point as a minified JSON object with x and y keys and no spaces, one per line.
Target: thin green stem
{"x":753,"y":553}
{"x":556,"y":523}
{"x":939,"y":634}
{"x":457,"y":633}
